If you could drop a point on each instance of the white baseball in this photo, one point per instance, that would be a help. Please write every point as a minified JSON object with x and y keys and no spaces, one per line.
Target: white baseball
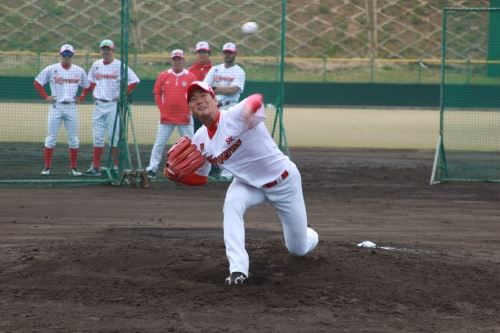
{"x":250,"y":28}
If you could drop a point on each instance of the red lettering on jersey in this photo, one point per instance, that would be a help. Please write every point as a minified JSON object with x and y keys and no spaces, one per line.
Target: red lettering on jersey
{"x":61,"y":80}
{"x":219,"y":78}
{"x":106,"y":76}
{"x":226,"y":154}
{"x":229,"y":139}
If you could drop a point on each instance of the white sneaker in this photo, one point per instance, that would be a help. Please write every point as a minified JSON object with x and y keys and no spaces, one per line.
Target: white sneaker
{"x":92,"y":171}
{"x":75,"y":172}
{"x":46,"y":172}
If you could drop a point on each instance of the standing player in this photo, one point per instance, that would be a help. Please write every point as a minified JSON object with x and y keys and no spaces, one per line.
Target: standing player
{"x":170,"y":98}
{"x":104,"y":76}
{"x":64,"y":79}
{"x":201,"y":67}
{"x":227,"y":81}
{"x":237,"y":139}
{"x":202,"y":64}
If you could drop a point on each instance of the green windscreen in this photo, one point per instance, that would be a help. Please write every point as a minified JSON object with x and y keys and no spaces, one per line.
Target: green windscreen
{"x":469,"y":146}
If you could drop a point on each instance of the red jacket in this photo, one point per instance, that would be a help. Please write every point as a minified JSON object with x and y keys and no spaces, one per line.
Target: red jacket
{"x":170,"y":96}
{"x":200,"y":70}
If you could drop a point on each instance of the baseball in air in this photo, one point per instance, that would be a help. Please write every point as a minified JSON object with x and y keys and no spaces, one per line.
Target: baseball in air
{"x":250,"y":28}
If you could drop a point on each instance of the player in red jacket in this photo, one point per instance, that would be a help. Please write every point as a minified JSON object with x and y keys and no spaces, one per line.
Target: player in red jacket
{"x":170,"y":98}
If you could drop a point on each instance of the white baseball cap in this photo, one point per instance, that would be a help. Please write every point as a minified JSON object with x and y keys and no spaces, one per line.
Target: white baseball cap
{"x":231,"y":47}
{"x":202,"y":46}
{"x":177,"y":53}
{"x":107,"y":43}
{"x":66,"y":48}
{"x":200,"y":85}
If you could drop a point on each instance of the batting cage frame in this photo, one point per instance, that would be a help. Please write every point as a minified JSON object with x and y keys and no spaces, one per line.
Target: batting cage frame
{"x":146,"y":53}
{"x":468,"y":145}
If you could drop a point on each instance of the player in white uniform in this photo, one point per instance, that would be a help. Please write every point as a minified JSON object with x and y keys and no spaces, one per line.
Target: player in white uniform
{"x":104,"y":76}
{"x":228,"y":79}
{"x":228,"y":82}
{"x":237,"y":140}
{"x":64,"y":79}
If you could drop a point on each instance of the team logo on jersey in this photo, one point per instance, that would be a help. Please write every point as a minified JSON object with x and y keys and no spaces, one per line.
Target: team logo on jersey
{"x":61,"y":80}
{"x":184,"y":83}
{"x":229,"y":140}
{"x":225,"y":155}
{"x":220,"y":78}
{"x":110,"y":76}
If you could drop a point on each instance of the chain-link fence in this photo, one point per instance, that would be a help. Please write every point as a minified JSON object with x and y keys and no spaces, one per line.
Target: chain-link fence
{"x":327,"y":40}
{"x":63,"y":134}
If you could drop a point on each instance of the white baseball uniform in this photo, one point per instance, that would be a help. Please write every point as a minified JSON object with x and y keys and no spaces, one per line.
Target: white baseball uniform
{"x":64,"y":85}
{"x":106,"y":94}
{"x":222,"y":76}
{"x":261,"y":173}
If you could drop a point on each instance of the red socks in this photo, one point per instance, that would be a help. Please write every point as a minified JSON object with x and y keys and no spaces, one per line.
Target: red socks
{"x":96,"y":160}
{"x":73,"y":158}
{"x":47,"y":157}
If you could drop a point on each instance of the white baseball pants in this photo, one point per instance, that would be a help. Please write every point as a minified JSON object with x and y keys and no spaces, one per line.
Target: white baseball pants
{"x":163,"y":134}
{"x":287,"y":198}
{"x":62,"y":114}
{"x":103,"y":120}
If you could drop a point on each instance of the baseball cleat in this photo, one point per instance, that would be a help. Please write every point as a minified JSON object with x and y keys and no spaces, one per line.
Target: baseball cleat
{"x":75,"y":172}
{"x":46,"y":172}
{"x":151,"y":174}
{"x":92,"y":171}
{"x":236,"y":278}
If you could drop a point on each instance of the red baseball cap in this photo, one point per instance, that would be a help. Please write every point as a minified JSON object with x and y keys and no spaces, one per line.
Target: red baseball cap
{"x":229,"y":47}
{"x":198,"y":85}
{"x":202,"y":46}
{"x":177,"y":53}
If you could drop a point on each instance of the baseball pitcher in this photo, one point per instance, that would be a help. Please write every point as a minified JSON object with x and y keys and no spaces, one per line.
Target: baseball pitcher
{"x":228,"y":82}
{"x":237,"y":140}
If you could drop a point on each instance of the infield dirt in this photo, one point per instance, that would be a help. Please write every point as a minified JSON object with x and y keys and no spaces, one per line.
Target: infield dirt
{"x":106,"y":259}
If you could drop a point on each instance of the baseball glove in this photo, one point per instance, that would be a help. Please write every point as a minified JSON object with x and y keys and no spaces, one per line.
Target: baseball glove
{"x":182,"y":159}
